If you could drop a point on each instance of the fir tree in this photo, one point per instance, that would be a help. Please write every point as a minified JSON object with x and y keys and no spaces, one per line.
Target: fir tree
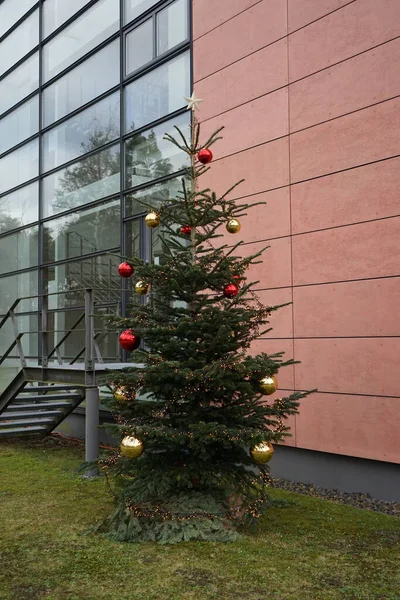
{"x":196,"y":404}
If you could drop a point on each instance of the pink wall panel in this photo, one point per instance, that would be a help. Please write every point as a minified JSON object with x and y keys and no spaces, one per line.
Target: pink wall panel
{"x":281,"y":320}
{"x":352,"y":140}
{"x":355,"y":308}
{"x":346,"y":87}
{"x":353,"y":29}
{"x":303,"y":12}
{"x":269,"y":220}
{"x":360,"y":194}
{"x":350,"y":366}
{"x":251,"y":77}
{"x":275,"y":270}
{"x":354,"y":252}
{"x":206,"y":18}
{"x":271,"y":114}
{"x":342,"y":58}
{"x":264,"y":168}
{"x":367,"y":427}
{"x":260,"y":25}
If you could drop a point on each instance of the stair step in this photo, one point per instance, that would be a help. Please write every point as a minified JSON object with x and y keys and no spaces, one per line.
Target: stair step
{"x":36,"y":430}
{"x":40,"y":406}
{"x":50,"y":397}
{"x":49,"y":388}
{"x":28,"y":422}
{"x":8,"y":416}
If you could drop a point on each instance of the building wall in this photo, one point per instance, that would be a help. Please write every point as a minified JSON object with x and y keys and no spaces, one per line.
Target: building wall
{"x":308,"y":91}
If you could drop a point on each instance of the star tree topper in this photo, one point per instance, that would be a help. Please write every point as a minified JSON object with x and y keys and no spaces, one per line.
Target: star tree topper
{"x":193,"y":102}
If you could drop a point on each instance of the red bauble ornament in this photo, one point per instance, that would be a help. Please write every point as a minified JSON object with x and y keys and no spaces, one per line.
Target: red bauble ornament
{"x":205,"y":156}
{"x":125,"y":270}
{"x":128,"y":340}
{"x":231,"y":290}
{"x":186,"y":230}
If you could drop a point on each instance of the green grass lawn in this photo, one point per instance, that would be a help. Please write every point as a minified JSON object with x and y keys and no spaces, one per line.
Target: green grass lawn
{"x":309,"y":549}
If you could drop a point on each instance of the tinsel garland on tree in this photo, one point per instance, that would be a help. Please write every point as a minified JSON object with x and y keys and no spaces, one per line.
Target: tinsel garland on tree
{"x":192,"y":415}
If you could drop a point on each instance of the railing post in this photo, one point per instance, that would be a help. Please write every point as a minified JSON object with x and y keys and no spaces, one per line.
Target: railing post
{"x":17,"y":337}
{"x":44,"y":331}
{"x":89,"y":329}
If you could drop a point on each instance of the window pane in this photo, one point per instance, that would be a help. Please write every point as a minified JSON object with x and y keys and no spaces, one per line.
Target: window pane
{"x":19,"y":42}
{"x":84,"y":34}
{"x":19,"y":208}
{"x":95,"y":272}
{"x":19,"y":166}
{"x":19,"y":124}
{"x":158,"y":93}
{"x":92,"y":128}
{"x":76,"y":88}
{"x":132,"y":235}
{"x":134,"y":8}
{"x":11,"y":11}
{"x":139,"y":46}
{"x":17,"y":286}
{"x":172,"y":26}
{"x":18,"y":84}
{"x":82,"y":233}
{"x":56,"y":12}
{"x":148,"y":156}
{"x":19,"y":250}
{"x":90,"y":179}
{"x":153,"y":196}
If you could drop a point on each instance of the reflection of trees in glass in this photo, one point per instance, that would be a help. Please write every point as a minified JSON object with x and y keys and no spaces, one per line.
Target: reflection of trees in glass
{"x":86,"y":232}
{"x":152,"y":196}
{"x":144,"y":159}
{"x":18,"y":250}
{"x":7,"y":223}
{"x":96,"y":169}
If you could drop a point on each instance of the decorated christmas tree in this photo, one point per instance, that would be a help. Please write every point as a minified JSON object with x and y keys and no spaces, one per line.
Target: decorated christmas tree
{"x":197,"y":413}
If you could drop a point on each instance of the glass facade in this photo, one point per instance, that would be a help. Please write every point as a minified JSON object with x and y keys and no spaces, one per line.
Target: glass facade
{"x":87,"y":91}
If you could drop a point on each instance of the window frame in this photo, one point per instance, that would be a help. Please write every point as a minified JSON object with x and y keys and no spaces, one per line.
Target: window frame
{"x":152,"y":15}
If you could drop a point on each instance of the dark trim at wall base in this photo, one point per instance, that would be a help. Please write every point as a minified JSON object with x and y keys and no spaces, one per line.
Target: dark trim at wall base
{"x":334,"y":471}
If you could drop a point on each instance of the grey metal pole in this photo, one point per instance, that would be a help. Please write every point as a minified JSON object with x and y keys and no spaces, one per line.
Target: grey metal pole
{"x":92,"y":428}
{"x":92,"y":419}
{"x":44,"y":331}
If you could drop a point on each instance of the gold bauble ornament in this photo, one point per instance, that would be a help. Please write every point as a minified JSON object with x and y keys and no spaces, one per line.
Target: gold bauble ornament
{"x":268,"y":385}
{"x":142,"y":288}
{"x":123,"y":394}
{"x":152,"y":220}
{"x":233,"y":226}
{"x":131,"y":447}
{"x":262,"y":453}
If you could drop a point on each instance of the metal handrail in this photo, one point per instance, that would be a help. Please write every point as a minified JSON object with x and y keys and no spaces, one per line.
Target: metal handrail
{"x":90,"y":349}
{"x":62,"y":292}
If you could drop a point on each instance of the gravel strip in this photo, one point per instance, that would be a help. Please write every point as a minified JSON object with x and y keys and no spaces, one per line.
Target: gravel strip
{"x":356,"y":499}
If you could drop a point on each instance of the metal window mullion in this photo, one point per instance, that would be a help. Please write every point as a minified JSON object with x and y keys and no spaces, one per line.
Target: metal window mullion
{"x":122,"y":56}
{"x":42,"y":315}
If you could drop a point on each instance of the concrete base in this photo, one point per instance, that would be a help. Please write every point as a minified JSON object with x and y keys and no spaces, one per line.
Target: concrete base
{"x":74,"y":426}
{"x":333,"y":471}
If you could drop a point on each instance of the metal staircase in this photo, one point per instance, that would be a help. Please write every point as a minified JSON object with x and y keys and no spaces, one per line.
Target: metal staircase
{"x":38,"y":409}
{"x":41,"y":393}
